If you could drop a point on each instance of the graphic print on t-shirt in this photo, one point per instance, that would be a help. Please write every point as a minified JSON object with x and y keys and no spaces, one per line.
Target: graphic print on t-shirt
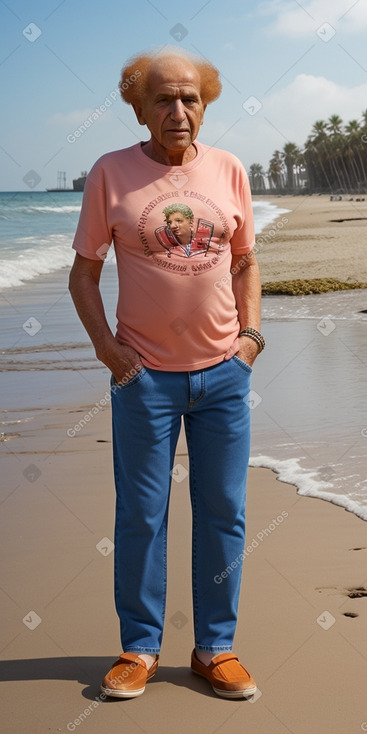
{"x":186,"y":229}
{"x":179,"y":235}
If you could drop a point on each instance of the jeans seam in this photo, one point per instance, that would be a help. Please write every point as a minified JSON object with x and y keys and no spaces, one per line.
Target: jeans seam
{"x":164,"y":590}
{"x":194,"y":530}
{"x":116,"y":531}
{"x":202,"y":393}
{"x":213,"y":648}
{"x":137,"y":648}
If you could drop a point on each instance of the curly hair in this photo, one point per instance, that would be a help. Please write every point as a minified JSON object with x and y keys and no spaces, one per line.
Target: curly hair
{"x":182,"y":208}
{"x":134,"y":75}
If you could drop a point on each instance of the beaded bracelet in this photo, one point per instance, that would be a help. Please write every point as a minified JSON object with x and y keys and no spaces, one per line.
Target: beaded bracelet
{"x":255,"y":335}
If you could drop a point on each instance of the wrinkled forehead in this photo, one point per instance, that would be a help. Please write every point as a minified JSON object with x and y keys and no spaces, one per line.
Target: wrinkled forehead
{"x":174,"y":73}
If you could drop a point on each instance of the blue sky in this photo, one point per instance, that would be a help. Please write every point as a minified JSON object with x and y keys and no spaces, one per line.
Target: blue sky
{"x":60,"y":61}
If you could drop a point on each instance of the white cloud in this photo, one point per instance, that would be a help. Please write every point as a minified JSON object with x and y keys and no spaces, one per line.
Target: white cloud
{"x":309,"y":98}
{"x":296,"y":19}
{"x":289,"y":114}
{"x":74,"y":117}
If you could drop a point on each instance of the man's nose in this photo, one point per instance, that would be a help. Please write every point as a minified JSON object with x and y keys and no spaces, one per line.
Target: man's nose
{"x":177,"y":111}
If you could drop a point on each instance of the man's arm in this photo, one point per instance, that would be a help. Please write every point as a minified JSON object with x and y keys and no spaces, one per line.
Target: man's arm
{"x":246,"y":287}
{"x":84,"y":288}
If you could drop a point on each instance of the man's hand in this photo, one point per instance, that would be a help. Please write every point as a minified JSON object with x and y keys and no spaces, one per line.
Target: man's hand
{"x":245,"y":348}
{"x":123,"y":361}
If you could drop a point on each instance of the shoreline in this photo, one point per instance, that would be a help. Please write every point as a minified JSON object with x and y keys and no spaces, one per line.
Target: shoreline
{"x":303,"y":603}
{"x":60,"y":353}
{"x":299,"y":606}
{"x":317,"y":238}
{"x":285,"y":475}
{"x":311,"y":239}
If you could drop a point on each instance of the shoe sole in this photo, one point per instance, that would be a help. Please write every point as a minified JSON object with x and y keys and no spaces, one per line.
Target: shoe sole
{"x":113,"y":693}
{"x":247,"y":692}
{"x":250,"y":691}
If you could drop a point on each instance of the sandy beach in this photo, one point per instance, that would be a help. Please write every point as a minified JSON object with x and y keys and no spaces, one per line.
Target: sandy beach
{"x":302,"y":628}
{"x":317,"y":238}
{"x":300,"y":633}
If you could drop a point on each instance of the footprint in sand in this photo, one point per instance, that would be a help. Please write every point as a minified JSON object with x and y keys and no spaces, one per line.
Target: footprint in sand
{"x":355,"y":592}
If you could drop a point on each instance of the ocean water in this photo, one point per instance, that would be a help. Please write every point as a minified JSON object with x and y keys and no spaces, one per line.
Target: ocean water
{"x":37,"y":229}
{"x":309,"y":387}
{"x":36,"y":232}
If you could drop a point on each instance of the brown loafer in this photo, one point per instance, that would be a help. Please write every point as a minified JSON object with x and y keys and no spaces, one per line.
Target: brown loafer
{"x":226,"y":675}
{"x":128,"y":676}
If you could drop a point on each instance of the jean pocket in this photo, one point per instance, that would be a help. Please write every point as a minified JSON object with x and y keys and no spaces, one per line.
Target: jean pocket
{"x":129,"y":382}
{"x":243,"y":365}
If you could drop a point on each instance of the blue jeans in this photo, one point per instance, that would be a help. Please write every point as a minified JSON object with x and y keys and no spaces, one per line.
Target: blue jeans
{"x":146,"y":413}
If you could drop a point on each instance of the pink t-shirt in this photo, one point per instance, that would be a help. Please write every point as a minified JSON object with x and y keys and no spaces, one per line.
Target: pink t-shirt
{"x":176,"y":306}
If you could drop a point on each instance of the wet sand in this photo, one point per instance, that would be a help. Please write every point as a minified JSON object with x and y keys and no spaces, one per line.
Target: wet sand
{"x":302,"y":624}
{"x":320,"y":239}
{"x":300,"y":634}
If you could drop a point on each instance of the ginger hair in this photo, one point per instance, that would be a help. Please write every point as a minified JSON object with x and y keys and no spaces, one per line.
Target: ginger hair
{"x":134,"y":75}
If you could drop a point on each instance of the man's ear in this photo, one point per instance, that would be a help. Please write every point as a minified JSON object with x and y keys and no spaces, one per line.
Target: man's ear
{"x":139,"y":114}
{"x":202,"y":117}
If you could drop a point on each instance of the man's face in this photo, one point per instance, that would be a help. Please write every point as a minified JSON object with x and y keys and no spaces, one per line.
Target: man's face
{"x":180,"y":226}
{"x":172,"y":108}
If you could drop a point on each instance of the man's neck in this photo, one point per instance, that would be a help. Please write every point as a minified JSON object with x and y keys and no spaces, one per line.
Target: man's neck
{"x":169,"y":157}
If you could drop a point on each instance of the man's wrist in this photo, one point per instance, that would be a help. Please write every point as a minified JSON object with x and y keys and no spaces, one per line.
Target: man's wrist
{"x":255,"y":335}
{"x":104,"y":346}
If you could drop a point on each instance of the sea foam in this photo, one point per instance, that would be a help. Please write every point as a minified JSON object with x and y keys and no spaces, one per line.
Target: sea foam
{"x":51,"y":254}
{"x":290,"y":472}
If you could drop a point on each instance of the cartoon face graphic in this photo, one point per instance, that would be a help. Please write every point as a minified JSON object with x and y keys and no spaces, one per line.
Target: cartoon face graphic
{"x":179,"y":237}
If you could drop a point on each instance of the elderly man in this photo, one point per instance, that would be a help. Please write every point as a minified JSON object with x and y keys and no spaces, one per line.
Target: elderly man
{"x":187,"y":337}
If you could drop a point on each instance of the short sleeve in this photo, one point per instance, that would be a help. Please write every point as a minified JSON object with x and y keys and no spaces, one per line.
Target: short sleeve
{"x":93,"y":235}
{"x":243,"y":239}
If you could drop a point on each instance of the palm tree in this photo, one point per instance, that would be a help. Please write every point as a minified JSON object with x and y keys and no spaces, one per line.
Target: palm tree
{"x":317,"y":157}
{"x":300,"y":169}
{"x":290,"y":155}
{"x":354,"y":149}
{"x":334,"y":126}
{"x":334,"y":158}
{"x":256,"y":176}
{"x":319,"y":129}
{"x":275,"y":172}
